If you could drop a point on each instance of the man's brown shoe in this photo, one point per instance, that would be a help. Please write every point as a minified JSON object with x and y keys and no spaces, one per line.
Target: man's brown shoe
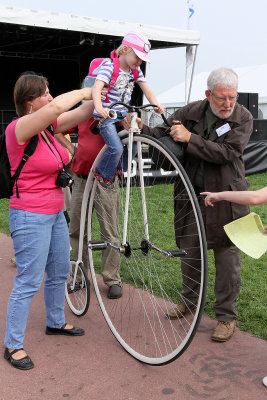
{"x":223,"y":331}
{"x":180,"y":311}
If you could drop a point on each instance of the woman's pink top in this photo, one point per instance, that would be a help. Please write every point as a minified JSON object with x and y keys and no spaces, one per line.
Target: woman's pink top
{"x":37,"y":187}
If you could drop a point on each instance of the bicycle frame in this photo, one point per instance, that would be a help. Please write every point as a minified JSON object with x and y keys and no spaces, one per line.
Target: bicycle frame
{"x":89,"y":185}
{"x":134,"y":129}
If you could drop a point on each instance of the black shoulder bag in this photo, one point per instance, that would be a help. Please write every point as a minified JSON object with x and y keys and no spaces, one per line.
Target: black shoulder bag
{"x":176,"y":148}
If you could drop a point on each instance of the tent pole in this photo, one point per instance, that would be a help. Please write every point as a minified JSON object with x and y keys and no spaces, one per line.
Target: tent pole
{"x":192,"y":74}
{"x":185,"y":86}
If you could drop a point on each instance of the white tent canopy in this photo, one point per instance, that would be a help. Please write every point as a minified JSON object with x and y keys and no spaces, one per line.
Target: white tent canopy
{"x":251,"y":80}
{"x":86,"y":24}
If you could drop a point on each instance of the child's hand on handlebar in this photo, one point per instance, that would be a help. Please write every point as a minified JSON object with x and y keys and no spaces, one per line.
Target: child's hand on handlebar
{"x":102,"y":111}
{"x":159,"y":109}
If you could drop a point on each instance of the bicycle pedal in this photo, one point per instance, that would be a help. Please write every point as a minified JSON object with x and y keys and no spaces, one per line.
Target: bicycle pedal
{"x":97,"y":245}
{"x":177,"y":253}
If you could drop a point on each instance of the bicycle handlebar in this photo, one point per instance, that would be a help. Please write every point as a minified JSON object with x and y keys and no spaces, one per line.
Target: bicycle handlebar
{"x":130,"y":107}
{"x":137,"y":108}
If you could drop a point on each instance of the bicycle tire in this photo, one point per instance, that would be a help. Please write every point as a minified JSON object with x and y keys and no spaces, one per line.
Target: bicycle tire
{"x":151,"y":283}
{"x":77,"y":293}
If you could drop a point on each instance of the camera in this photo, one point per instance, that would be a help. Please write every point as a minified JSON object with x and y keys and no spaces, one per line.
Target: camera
{"x":64,"y":179}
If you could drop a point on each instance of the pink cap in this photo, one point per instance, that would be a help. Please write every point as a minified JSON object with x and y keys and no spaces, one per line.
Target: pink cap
{"x":138,"y":43}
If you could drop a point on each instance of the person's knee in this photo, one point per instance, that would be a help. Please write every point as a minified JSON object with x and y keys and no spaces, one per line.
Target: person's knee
{"x":117,"y":149}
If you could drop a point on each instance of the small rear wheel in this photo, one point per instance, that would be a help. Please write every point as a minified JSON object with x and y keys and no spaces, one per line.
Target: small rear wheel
{"x":77,"y":291}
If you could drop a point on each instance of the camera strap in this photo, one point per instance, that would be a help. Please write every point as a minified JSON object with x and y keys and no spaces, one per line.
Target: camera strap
{"x":48,"y":141}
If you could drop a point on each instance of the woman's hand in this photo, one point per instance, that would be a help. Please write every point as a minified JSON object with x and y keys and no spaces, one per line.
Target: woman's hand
{"x":104,"y":93}
{"x":211,"y":198}
{"x":87,"y":93}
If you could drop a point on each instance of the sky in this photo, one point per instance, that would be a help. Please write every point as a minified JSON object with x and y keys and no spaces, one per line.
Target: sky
{"x":233,"y":33}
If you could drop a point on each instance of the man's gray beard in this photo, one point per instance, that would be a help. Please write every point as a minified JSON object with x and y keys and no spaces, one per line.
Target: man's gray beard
{"x":217,"y":114}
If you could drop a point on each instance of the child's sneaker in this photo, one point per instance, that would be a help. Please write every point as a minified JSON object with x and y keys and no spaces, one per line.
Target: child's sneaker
{"x":104,"y":182}
{"x":119,"y":173}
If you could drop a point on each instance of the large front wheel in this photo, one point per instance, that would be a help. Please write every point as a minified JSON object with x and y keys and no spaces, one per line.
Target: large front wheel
{"x":164,"y":260}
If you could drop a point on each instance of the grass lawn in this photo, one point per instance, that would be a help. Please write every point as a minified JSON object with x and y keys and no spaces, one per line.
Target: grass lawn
{"x":253,"y":297}
{"x":4,"y":225}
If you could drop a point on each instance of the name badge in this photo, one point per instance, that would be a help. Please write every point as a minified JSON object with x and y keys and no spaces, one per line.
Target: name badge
{"x":223,"y":129}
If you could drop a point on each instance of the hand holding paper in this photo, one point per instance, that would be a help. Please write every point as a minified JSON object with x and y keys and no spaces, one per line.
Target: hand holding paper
{"x":247,"y":234}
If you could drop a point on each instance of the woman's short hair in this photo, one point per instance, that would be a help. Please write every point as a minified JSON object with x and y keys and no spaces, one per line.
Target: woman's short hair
{"x":28,"y":87}
{"x":224,"y":77}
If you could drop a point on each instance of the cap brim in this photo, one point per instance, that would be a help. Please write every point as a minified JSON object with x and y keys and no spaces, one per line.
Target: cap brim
{"x":142,"y":55}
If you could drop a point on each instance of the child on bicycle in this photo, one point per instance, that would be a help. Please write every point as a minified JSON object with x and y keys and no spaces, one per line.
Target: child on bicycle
{"x":133,"y":50}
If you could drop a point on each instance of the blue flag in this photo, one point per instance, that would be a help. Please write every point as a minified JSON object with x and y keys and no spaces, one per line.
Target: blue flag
{"x":190,"y":12}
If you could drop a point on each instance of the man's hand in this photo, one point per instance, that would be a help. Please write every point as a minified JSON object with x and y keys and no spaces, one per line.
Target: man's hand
{"x":126,"y":123}
{"x":265,"y":229}
{"x":179,"y":133}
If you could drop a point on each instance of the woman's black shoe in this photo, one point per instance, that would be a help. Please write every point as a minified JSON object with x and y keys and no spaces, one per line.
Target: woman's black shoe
{"x":75,"y":331}
{"x":23,"y":363}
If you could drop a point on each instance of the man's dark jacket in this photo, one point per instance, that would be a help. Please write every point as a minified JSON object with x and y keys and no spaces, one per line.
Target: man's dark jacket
{"x":222,"y":162}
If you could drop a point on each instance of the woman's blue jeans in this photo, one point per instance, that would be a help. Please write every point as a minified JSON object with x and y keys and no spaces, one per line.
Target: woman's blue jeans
{"x":110,"y":160}
{"x":41,"y":244}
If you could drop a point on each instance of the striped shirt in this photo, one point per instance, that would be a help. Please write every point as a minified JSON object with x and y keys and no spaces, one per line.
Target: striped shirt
{"x":123,"y":88}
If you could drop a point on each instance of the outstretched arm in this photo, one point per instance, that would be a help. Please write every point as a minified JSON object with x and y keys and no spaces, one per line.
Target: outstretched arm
{"x":242,"y":197}
{"x":31,"y":124}
{"x":96,"y":92}
{"x":151,"y":97}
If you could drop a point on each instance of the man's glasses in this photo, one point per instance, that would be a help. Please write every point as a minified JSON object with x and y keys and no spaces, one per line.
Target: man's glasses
{"x":224,"y":99}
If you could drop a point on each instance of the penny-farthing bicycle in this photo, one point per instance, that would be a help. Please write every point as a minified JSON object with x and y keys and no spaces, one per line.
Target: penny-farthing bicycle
{"x":150,"y":261}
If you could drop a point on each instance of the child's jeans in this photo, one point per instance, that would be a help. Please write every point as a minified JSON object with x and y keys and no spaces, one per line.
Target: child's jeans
{"x":110,"y":160}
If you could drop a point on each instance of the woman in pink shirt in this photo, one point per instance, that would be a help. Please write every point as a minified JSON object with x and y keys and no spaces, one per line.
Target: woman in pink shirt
{"x":37,"y":224}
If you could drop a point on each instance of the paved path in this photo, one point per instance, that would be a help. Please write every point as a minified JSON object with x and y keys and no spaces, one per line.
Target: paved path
{"x":95,"y":367}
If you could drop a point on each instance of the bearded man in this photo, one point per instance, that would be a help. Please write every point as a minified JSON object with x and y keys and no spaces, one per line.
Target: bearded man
{"x":215,"y":132}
